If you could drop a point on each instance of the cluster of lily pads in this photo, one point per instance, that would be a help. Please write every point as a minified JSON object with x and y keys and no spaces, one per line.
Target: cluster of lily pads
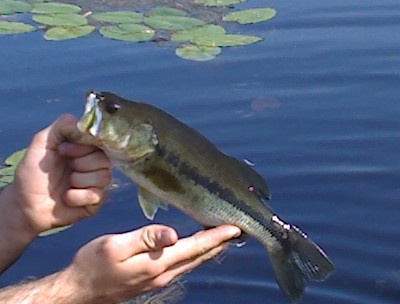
{"x":196,"y":39}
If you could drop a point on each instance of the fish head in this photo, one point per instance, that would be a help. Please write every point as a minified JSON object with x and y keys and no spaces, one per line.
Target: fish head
{"x":118,"y":127}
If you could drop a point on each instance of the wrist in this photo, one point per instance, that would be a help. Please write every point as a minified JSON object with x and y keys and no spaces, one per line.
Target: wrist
{"x":14,"y":226}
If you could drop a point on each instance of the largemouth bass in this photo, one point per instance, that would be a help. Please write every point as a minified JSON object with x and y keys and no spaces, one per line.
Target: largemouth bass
{"x":174,"y":164}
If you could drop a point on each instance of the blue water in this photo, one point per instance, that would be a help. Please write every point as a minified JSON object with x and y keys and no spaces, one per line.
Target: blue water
{"x":315,"y":106}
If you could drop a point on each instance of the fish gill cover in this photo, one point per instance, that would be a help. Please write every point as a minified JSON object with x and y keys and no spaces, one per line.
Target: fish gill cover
{"x":194,"y":27}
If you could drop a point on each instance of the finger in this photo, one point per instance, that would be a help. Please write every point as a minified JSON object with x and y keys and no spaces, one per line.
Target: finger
{"x":91,"y":162}
{"x":97,"y":179}
{"x":149,"y":238}
{"x":65,"y":129}
{"x":85,"y":197}
{"x":198,"y":244}
{"x":187,"y":249}
{"x":75,"y":150}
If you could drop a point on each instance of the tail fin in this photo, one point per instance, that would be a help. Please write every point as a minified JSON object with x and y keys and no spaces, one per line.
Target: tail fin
{"x":298,"y":261}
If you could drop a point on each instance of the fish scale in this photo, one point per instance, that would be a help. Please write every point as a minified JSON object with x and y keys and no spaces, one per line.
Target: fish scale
{"x":173,"y":163}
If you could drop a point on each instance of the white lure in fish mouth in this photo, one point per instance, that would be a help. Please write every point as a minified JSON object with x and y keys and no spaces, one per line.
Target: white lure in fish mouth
{"x":94,"y":115}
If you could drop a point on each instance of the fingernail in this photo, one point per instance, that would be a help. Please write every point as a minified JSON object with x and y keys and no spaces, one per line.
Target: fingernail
{"x":166,"y":238}
{"x":235,"y":231}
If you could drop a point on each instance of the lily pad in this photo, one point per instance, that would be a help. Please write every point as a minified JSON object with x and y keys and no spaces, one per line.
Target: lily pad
{"x":55,"y":8}
{"x":251,"y":15}
{"x":197,"y":53}
{"x":9,"y":27}
{"x":172,"y":23}
{"x":218,"y":2}
{"x":119,"y":17}
{"x":58,"y":33}
{"x":8,"y":170}
{"x":54,"y":231}
{"x":128,"y":32}
{"x":191,"y":35}
{"x":7,"y":173}
{"x":7,"y":179}
{"x":15,"y":158}
{"x":9,"y":7}
{"x":61,"y":19}
{"x":227,"y":40}
{"x":166,"y":11}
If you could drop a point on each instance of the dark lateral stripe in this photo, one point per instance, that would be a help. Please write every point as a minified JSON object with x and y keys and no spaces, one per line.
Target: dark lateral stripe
{"x":223,"y":193}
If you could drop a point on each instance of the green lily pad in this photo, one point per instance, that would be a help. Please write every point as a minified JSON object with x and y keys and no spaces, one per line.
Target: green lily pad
{"x":7,"y":173}
{"x":58,"y":33}
{"x":227,"y":40}
{"x":166,"y":11}
{"x":128,"y":32}
{"x":172,"y":23}
{"x":119,"y":17}
{"x":9,"y":7}
{"x":251,"y":15}
{"x":218,"y":2}
{"x":197,"y":53}
{"x":9,"y":27}
{"x":55,"y":8}
{"x":191,"y":35}
{"x":212,"y":36}
{"x":15,"y":158}
{"x":54,"y":231}
{"x":8,"y":170}
{"x":61,"y":19}
{"x":7,"y":179}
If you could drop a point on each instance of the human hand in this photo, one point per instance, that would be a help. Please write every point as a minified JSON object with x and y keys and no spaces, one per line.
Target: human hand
{"x":115,"y":268}
{"x":58,"y":182}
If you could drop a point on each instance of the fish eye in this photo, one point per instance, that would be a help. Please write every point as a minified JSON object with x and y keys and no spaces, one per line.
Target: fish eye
{"x":111,"y":107}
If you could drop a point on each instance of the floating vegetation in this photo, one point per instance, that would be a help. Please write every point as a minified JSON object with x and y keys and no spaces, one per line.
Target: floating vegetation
{"x":55,"y":8}
{"x":7,"y":171}
{"x":10,"y":7}
{"x":118,"y":17}
{"x":198,"y":53}
{"x":61,"y":19}
{"x":219,"y":2}
{"x":197,"y":36}
{"x":251,"y":15}
{"x":10,"y":27}
{"x":128,"y":32}
{"x":58,"y":33}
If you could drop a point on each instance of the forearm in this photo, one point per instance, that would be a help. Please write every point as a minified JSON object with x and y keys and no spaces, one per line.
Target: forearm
{"x":15,"y":235}
{"x":56,"y":288}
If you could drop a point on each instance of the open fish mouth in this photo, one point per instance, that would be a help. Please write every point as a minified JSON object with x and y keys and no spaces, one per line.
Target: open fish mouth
{"x":92,"y":117}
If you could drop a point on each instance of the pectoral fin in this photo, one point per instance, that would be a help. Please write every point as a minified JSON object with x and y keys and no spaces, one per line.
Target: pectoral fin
{"x":150,"y":203}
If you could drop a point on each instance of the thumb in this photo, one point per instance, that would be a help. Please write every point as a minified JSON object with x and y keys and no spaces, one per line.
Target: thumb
{"x":146,"y":239}
{"x":65,"y":129}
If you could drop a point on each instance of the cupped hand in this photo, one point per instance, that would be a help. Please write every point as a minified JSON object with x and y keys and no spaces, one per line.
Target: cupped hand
{"x":59,"y":182}
{"x":114,"y":268}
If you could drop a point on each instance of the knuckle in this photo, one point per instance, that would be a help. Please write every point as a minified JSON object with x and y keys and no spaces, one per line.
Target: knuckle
{"x":107,"y":247}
